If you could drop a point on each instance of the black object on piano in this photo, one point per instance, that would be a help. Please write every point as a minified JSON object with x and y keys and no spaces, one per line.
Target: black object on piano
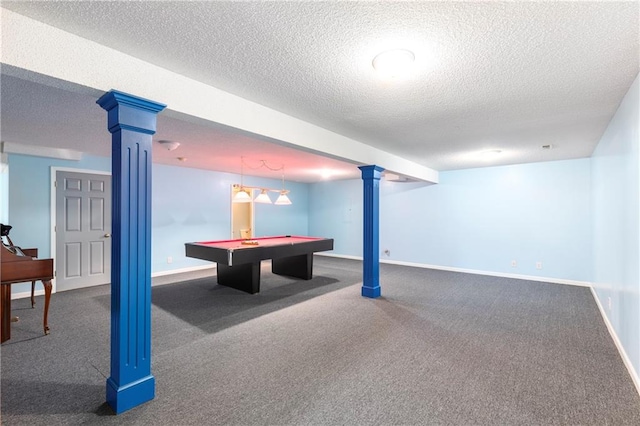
{"x":4,"y":233}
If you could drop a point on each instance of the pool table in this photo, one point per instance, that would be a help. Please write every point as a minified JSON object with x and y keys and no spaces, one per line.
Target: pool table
{"x":238,"y":261}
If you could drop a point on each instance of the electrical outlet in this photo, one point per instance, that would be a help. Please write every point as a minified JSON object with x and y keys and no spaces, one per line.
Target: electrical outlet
{"x":514,"y":264}
{"x":169,"y":259}
{"x":538,"y":265}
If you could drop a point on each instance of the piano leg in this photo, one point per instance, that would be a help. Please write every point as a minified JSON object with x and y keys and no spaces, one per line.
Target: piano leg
{"x":47,"y":298}
{"x":33,"y":290}
{"x":5,"y":312}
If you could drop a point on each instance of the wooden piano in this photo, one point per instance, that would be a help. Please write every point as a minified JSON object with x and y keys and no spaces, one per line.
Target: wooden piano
{"x":17,"y":266}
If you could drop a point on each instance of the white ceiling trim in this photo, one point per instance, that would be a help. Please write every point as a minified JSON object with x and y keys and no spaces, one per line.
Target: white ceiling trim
{"x":40,"y":151}
{"x":40,"y":48}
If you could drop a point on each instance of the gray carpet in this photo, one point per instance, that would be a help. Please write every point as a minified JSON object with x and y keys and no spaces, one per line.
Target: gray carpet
{"x":438,"y":348}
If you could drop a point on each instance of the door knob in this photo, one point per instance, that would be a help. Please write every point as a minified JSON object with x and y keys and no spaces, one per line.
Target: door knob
{"x":107,"y":235}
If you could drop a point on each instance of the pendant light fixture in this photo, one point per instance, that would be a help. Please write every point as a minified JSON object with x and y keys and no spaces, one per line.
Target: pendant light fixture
{"x":283,"y":199}
{"x":244,"y":194}
{"x":263,"y":197}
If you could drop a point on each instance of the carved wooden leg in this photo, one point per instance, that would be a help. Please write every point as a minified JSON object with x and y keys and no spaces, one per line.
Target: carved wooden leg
{"x":5,"y":312}
{"x":33,"y":299}
{"x":47,"y":298}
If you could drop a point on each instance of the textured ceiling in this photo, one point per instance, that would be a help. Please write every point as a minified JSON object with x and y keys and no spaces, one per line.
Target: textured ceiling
{"x":40,"y":115}
{"x":489,"y":75}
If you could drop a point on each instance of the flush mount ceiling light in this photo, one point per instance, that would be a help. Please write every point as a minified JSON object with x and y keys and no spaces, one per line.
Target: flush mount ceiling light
{"x":326,"y":173}
{"x":169,"y":145}
{"x":394,"y":63}
{"x":491,"y":154}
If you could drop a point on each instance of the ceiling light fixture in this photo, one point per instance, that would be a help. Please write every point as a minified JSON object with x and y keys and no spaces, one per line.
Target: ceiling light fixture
{"x":326,"y":173}
{"x":244,"y":194}
{"x":169,"y":145}
{"x":394,"y":63}
{"x":283,"y":199}
{"x":263,"y":197}
{"x":491,"y":153}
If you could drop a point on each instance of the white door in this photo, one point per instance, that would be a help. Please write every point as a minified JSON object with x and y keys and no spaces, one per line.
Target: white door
{"x":83,"y":230}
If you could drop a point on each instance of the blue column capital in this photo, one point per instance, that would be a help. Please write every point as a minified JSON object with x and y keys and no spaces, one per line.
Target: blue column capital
{"x":113,"y":98}
{"x":130,"y":112}
{"x":371,"y":172}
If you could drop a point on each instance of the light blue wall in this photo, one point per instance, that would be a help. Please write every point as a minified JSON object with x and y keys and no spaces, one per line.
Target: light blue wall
{"x":188,"y":205}
{"x":4,"y":188}
{"x":482,"y":219}
{"x":30,"y":196}
{"x":335,"y":211}
{"x":30,"y":199}
{"x":271,"y":220}
{"x":195,"y":205}
{"x":616,"y":236}
{"x":478,"y":219}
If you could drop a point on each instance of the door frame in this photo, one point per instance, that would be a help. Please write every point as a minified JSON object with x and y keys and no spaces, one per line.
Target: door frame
{"x":52,"y":198}
{"x":252,"y":210}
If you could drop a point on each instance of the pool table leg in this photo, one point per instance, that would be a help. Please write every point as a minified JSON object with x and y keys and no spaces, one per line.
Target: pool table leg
{"x":244,"y":277}
{"x":300,"y":266}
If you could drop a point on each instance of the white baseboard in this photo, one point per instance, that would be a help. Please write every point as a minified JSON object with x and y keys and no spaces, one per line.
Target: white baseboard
{"x":341,"y":256}
{"x":392,"y":262}
{"x":469,"y":271}
{"x":25,"y":294}
{"x":627,"y":362}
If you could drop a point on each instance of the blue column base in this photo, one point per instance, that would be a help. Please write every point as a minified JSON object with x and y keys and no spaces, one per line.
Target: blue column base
{"x":129,"y":396}
{"x":371,"y":292}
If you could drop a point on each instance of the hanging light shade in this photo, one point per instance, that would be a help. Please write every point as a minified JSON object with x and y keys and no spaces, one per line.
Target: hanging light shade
{"x":242,"y":196}
{"x":283,"y":200}
{"x":263,"y":197}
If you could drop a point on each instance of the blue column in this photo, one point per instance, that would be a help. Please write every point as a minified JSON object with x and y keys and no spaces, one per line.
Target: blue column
{"x":371,"y":243}
{"x":131,"y":121}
